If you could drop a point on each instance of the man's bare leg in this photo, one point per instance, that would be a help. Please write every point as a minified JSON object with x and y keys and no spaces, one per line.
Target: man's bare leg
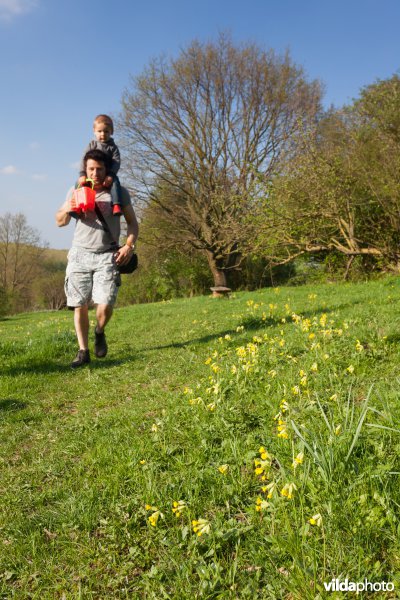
{"x":103,"y":315}
{"x":81,"y":321}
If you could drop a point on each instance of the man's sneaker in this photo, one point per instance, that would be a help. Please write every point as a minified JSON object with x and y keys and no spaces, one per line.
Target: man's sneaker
{"x":117,"y":212}
{"x":82,"y":358}
{"x":100,"y":344}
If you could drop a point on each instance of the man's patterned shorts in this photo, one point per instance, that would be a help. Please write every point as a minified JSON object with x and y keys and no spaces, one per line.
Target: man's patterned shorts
{"x":91,"y":276}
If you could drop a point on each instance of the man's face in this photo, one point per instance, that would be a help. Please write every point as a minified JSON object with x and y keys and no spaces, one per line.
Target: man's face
{"x":95,"y":170}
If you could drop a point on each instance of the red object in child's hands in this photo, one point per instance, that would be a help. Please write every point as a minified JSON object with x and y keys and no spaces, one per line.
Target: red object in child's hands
{"x":83,"y":198}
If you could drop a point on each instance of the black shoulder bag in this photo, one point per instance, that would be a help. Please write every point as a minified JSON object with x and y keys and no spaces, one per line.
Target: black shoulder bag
{"x":132,"y":265}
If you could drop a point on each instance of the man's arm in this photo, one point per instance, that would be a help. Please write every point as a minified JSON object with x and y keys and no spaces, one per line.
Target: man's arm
{"x":125,"y":253}
{"x":62,"y":215}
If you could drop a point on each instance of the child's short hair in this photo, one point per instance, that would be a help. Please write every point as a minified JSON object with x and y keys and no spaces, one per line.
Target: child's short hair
{"x":104,"y":119}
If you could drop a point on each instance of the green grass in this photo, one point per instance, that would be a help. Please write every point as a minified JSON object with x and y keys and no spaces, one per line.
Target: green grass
{"x":180,"y":410}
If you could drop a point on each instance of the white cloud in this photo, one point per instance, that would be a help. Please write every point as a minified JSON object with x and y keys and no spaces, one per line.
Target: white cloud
{"x":9,"y":170}
{"x":10,"y":9}
{"x":39,"y":177}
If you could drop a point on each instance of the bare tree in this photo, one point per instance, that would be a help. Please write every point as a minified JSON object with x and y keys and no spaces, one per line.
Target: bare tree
{"x":198,"y":129}
{"x":20,"y":251}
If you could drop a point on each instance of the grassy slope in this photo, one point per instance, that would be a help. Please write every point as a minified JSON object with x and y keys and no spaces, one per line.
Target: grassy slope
{"x":83,"y":452}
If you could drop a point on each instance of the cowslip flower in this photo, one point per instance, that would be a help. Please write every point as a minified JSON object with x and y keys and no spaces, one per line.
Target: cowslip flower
{"x":359,"y":346}
{"x":269,"y":489}
{"x":350,"y":369}
{"x":298,"y":460}
{"x":154,"y":518}
{"x":261,"y":466}
{"x":178,"y":507}
{"x":284,"y":406}
{"x":261,"y":504}
{"x":156,"y":514}
{"x":264,"y":454}
{"x":201,"y":526}
{"x":223,"y":469}
{"x":288,"y":489}
{"x":316,"y":520}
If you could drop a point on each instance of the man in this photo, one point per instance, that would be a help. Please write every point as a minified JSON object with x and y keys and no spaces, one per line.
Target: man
{"x":92,"y":271}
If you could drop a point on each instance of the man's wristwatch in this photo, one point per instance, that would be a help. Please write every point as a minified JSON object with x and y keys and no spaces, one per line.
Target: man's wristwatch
{"x":131,"y":246}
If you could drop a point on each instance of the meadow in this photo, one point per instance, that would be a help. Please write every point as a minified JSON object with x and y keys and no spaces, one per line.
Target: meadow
{"x":241,"y":448}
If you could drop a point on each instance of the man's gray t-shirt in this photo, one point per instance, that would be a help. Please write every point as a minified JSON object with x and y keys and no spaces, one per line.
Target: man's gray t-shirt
{"x":89,"y":233}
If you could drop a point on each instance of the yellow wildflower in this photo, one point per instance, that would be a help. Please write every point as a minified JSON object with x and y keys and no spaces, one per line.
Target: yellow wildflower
{"x":201,"y":526}
{"x":208,"y":361}
{"x":359,"y":346}
{"x":270,"y":488}
{"x":298,"y":460}
{"x":233,"y":369}
{"x":261,"y":504}
{"x":316,"y":520}
{"x":288,"y":489}
{"x":223,"y":469}
{"x":350,"y":369}
{"x":314,"y":367}
{"x":178,"y":507}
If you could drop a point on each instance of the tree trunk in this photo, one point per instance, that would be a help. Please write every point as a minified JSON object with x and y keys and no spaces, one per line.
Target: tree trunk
{"x":219,"y":275}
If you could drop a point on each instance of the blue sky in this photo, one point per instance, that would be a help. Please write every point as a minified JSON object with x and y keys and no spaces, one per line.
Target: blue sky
{"x":62,"y":62}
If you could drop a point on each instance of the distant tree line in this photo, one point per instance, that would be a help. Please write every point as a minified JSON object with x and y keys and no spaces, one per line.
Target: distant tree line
{"x":31,"y":277}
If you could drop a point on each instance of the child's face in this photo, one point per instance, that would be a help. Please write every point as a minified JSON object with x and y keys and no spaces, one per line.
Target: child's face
{"x":102,"y":131}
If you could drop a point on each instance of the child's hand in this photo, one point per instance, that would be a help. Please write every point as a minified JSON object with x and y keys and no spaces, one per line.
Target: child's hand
{"x":82,"y":180}
{"x":108,"y":181}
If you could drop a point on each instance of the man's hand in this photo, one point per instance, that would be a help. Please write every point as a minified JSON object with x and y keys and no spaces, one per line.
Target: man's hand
{"x":123,"y":255}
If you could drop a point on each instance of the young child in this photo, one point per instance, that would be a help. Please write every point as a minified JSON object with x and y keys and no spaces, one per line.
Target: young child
{"x":103,"y":128}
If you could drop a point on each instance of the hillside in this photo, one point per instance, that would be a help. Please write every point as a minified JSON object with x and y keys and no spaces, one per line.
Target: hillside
{"x":242,"y":448}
